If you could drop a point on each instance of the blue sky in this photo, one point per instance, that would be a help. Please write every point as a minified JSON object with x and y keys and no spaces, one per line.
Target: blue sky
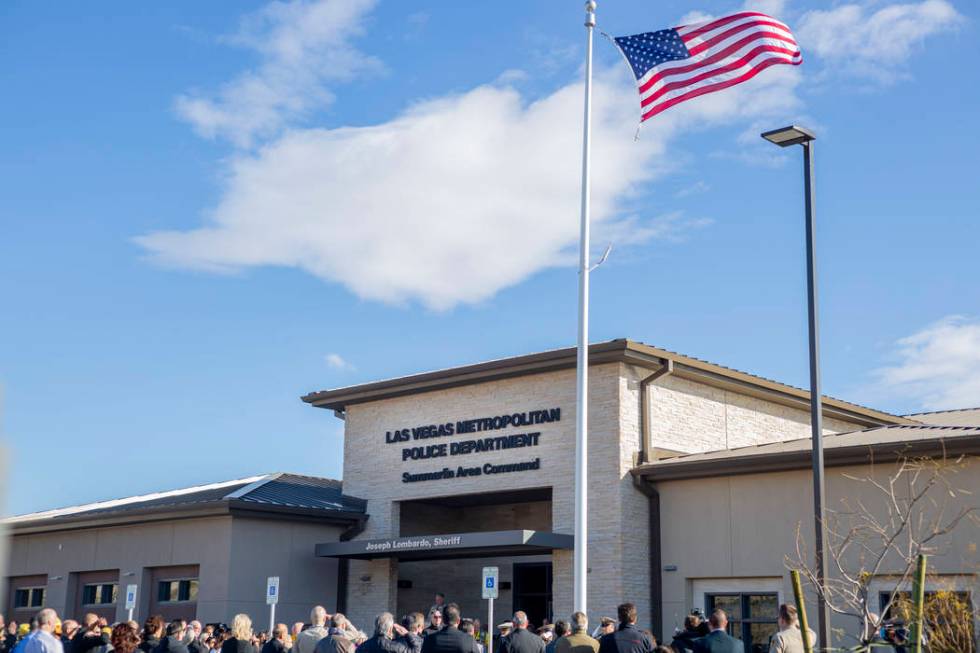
{"x":210,"y":209}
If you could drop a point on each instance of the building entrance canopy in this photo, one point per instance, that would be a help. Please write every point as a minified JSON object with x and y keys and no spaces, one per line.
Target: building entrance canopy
{"x":454,"y":545}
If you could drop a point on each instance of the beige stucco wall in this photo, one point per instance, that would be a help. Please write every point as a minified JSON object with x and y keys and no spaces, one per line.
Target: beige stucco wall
{"x":131,"y":550}
{"x":735,"y":532}
{"x":261,"y":548}
{"x":234,"y":555}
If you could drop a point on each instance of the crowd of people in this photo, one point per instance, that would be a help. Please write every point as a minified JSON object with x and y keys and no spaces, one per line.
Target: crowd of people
{"x":441,"y":630}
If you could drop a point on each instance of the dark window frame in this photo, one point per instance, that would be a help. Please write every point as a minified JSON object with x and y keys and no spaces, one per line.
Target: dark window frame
{"x":745,"y":618}
{"x":32,"y":591}
{"x":184,"y":586}
{"x":98,"y":594}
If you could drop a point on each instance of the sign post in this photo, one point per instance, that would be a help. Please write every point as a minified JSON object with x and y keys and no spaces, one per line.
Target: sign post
{"x":271,"y":598}
{"x":130,"y":600}
{"x":490,"y":576}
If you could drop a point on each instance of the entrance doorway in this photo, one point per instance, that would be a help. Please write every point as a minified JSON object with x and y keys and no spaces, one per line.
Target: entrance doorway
{"x":532,"y":590}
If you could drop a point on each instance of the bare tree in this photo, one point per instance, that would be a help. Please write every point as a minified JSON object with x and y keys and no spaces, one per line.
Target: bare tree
{"x":908,"y":508}
{"x":949,"y":615}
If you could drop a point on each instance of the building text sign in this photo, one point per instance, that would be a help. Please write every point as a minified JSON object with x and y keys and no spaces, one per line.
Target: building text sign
{"x":422,"y":447}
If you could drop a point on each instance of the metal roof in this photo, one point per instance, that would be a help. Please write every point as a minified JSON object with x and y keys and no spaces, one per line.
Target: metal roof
{"x":280,"y":492}
{"x":619,"y":350}
{"x":958,"y":417}
{"x":853,"y":447}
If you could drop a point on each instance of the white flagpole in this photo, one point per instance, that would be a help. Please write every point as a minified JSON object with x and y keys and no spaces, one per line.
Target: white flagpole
{"x":581,"y":561}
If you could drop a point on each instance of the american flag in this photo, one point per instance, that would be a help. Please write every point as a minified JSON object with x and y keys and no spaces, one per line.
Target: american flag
{"x":678,"y":64}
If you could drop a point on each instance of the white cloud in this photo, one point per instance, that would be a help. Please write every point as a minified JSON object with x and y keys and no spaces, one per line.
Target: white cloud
{"x":337,"y":362}
{"x":696,"y":188}
{"x":775,"y":8}
{"x":456,"y":198}
{"x":450,"y":201}
{"x":303,"y":47}
{"x":874,"y":42}
{"x":694,"y":17}
{"x":937,"y":367}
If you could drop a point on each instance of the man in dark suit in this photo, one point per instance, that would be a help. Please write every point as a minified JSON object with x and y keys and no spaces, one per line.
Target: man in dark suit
{"x":627,"y":638}
{"x":521,"y":640}
{"x":718,"y":640}
{"x":450,"y":639}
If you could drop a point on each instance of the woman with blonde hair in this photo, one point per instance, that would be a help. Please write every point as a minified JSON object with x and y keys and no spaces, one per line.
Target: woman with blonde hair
{"x":241,"y":636}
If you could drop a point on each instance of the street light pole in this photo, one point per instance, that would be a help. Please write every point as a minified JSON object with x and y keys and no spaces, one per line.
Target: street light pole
{"x":784,"y":138}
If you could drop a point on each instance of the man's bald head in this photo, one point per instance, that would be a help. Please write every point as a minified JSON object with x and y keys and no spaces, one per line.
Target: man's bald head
{"x":718,"y":620}
{"x":318,"y":616}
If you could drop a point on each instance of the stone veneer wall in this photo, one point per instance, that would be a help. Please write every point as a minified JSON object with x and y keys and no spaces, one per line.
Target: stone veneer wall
{"x":692,"y":417}
{"x":372,"y":470}
{"x":685,"y":416}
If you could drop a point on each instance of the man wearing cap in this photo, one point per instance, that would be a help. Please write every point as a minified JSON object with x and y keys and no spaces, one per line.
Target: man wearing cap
{"x":521,"y":640}
{"x":503,"y":632}
{"x":547,"y":635}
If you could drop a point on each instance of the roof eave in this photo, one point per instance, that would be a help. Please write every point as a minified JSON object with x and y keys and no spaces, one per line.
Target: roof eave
{"x":882,"y":452}
{"x":613,"y":351}
{"x":549,"y":361}
{"x":223,"y":507}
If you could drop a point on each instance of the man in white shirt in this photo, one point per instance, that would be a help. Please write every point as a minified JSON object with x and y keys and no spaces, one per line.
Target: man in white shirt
{"x":43,"y":640}
{"x":307,"y":640}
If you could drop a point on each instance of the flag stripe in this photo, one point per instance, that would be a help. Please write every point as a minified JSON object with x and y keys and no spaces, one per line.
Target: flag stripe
{"x":701,"y":28}
{"x":735,"y":31}
{"x":712,"y":72}
{"x":713,"y":87}
{"x":726,"y":50}
{"x":701,"y":36}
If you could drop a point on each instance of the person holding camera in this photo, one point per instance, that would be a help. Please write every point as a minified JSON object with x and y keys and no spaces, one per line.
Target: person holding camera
{"x":684,"y":640}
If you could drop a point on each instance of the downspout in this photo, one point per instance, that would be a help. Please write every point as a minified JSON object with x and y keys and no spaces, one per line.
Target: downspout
{"x":656,"y":582}
{"x":646,"y":439}
{"x":653,"y":498}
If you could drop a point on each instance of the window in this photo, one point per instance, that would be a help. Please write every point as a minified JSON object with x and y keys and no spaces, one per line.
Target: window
{"x":100,"y":594}
{"x":948,"y":616}
{"x":174,"y":591}
{"x":29,"y":597}
{"x":752,"y":618}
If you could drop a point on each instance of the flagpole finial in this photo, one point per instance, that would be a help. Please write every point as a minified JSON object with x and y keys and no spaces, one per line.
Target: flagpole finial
{"x":590,"y":6}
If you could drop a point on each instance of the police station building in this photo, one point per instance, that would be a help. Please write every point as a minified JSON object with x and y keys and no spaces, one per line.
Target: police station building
{"x":698,"y":478}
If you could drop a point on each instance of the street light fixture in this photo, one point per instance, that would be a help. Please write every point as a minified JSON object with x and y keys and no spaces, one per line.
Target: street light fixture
{"x":796,"y":135}
{"x":792,"y":135}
